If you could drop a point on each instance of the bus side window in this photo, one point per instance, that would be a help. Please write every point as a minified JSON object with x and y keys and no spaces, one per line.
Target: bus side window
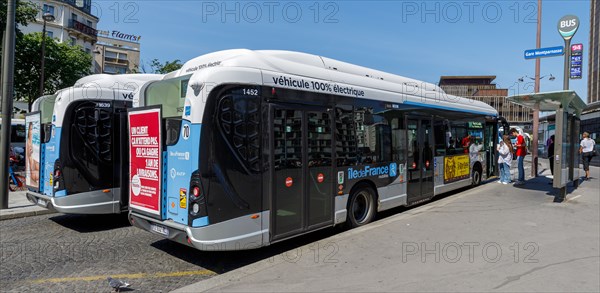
{"x":441,"y":138}
{"x":46,"y":132}
{"x":345,"y":135}
{"x":172,"y":130}
{"x":375,"y":137}
{"x":398,"y":138}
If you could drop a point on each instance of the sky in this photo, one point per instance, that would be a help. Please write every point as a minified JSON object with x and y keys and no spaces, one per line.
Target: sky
{"x":418,"y":39}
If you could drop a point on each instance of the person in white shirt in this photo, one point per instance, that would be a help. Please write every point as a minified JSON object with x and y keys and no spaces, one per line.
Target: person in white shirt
{"x":586,"y":150}
{"x":474,"y":149}
{"x":505,"y":150}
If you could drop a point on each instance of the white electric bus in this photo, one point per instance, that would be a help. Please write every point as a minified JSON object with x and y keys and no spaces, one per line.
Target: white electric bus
{"x":80,"y":155}
{"x":240,"y":149}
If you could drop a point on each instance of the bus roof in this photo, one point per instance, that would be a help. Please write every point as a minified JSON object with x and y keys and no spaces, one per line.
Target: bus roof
{"x":319,"y":67}
{"x":109,"y":80}
{"x":102,"y":87}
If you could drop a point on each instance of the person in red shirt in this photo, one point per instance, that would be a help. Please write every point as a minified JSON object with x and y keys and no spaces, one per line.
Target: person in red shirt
{"x":465,"y":143}
{"x":520,"y":153}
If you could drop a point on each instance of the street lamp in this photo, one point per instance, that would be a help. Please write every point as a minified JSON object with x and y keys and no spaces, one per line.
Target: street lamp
{"x":46,"y":17}
{"x":550,"y":77}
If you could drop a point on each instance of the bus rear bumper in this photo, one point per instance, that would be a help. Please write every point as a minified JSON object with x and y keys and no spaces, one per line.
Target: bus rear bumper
{"x":224,"y":236}
{"x":39,"y":199}
{"x":93,"y":202}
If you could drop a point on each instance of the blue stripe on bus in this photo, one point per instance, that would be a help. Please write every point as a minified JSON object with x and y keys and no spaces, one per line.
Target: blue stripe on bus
{"x":200,"y":222}
{"x":448,"y":108}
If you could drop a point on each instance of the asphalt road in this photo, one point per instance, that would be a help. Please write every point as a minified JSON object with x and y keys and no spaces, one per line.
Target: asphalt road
{"x":75,"y":253}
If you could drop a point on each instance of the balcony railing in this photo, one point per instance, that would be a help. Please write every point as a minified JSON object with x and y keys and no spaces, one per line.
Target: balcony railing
{"x":76,"y":25}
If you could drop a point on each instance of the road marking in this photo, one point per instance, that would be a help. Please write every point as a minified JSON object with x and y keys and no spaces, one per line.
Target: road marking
{"x":127,"y":276}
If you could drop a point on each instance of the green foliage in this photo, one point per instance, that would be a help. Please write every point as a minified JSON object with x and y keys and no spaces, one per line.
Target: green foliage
{"x":26,"y":13}
{"x":157,"y":67}
{"x":64,"y":65}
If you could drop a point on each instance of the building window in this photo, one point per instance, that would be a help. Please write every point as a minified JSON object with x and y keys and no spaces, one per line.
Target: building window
{"x":48,"y":9}
{"x":115,"y":69}
{"x":89,"y":23}
{"x":50,"y":34}
{"x":116,"y":57}
{"x":87,"y":50}
{"x":73,"y":41}
{"x":74,"y":16}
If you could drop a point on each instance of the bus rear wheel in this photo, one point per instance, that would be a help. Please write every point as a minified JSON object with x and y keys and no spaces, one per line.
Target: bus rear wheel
{"x":476,"y":176}
{"x":361,"y":207}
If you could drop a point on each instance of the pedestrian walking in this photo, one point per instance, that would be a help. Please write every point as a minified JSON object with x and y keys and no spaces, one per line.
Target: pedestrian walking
{"x":586,"y":149}
{"x":521,"y":151}
{"x":505,"y":150}
{"x":551,"y":154}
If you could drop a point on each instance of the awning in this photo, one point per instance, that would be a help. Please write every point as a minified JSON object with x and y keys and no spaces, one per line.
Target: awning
{"x":551,"y":101}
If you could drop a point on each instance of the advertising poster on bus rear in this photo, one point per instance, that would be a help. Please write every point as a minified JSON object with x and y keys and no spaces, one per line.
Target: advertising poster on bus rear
{"x":145,"y":160}
{"x":32,"y":150}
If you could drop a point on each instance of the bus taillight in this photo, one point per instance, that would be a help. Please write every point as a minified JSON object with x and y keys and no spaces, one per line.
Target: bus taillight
{"x":196,"y":191}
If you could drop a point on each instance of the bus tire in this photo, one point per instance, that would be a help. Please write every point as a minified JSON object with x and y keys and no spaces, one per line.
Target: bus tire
{"x":476,"y":175}
{"x":361,"y":207}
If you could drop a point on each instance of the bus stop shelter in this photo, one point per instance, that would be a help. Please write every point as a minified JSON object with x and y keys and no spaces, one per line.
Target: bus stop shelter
{"x":568,"y":106}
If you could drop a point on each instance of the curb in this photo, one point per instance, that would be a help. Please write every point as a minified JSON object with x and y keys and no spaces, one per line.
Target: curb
{"x":18,"y":215}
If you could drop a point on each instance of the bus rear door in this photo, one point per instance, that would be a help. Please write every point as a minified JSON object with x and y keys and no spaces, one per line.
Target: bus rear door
{"x":302,"y":190}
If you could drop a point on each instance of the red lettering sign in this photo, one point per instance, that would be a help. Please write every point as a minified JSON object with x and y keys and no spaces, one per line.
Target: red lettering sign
{"x":145,"y":155}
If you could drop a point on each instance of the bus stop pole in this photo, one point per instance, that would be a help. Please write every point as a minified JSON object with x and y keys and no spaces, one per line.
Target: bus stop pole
{"x":7,"y":99}
{"x":536,"y":108}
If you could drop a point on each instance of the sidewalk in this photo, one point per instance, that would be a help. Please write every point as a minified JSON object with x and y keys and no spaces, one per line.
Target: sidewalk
{"x":19,"y":206}
{"x":491,"y":238}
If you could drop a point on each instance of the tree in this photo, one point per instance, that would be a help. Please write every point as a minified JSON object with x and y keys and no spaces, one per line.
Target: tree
{"x":165,"y":68}
{"x":64,"y":65}
{"x":26,"y":12}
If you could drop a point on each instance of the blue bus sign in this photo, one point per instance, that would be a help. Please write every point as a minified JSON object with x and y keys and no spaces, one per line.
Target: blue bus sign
{"x":544,"y":52}
{"x":576,"y":61}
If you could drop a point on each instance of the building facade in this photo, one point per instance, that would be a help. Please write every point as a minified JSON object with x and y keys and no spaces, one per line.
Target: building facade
{"x":482,"y":88}
{"x":116,"y":53}
{"x":73,"y":23}
{"x":594,"y":54}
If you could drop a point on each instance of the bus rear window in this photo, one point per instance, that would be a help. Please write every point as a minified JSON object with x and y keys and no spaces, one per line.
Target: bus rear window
{"x":168,"y":93}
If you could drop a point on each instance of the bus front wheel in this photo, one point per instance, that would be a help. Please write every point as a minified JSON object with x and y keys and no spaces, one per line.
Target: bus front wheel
{"x":361,"y":207}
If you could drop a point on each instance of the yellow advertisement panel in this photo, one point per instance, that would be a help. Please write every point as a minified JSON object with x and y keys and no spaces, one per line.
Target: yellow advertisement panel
{"x":456,"y":168}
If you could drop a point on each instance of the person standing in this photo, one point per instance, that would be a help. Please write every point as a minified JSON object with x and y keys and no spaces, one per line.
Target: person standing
{"x":586,"y":149}
{"x":465,"y":143}
{"x":505,"y":151}
{"x":551,"y":154}
{"x":520,"y":154}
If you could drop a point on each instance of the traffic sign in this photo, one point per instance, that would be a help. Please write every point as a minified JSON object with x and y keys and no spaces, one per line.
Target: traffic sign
{"x":544,"y":52}
{"x":567,"y":26}
{"x":576,"y":61}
